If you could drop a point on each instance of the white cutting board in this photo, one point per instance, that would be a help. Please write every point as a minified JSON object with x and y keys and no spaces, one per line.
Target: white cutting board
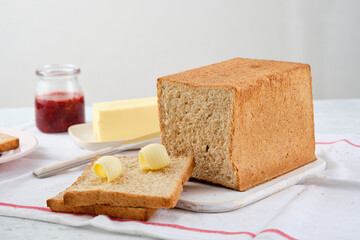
{"x":204,"y":197}
{"x":207,"y":197}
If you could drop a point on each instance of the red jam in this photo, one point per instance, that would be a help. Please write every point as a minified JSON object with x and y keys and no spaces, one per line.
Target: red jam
{"x":57,"y":111}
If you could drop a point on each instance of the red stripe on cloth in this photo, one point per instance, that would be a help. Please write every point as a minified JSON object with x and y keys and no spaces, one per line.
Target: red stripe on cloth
{"x":185,"y":228}
{"x":158,"y":224}
{"x":26,"y":207}
{"x":341,"y":140}
{"x":278,"y":232}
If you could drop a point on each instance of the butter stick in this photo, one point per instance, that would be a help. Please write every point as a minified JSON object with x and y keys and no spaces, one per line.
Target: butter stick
{"x":125,"y":119}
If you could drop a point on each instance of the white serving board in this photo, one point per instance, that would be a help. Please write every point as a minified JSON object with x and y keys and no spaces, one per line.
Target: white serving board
{"x":204,"y":197}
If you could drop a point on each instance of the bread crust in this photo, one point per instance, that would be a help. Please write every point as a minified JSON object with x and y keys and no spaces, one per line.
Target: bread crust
{"x":56,"y":204}
{"x":276,"y":119}
{"x":83,"y":198}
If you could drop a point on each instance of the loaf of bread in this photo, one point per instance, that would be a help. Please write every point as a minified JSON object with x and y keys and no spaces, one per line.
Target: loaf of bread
{"x":135,"y":187}
{"x":56,"y":204}
{"x":8,"y":142}
{"x":245,"y":121}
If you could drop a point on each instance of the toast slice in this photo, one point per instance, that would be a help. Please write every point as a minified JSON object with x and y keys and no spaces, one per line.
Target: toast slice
{"x":8,"y":142}
{"x":135,"y":188}
{"x":56,"y":204}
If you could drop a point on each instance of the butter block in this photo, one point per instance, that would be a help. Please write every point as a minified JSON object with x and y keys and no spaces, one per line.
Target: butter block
{"x":125,"y":119}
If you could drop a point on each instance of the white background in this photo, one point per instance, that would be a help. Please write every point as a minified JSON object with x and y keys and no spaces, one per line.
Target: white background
{"x":122,"y":47}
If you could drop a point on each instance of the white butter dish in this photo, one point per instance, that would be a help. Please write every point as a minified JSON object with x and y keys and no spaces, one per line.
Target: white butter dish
{"x":83,"y":135}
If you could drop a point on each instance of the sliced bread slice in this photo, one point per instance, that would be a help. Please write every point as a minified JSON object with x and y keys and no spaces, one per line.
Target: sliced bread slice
{"x":8,"y":142}
{"x":56,"y":204}
{"x":135,"y":187}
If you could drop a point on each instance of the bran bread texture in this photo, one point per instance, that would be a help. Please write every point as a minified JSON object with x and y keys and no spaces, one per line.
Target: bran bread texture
{"x":245,"y":121}
{"x":135,"y":187}
{"x":56,"y":204}
{"x":8,"y":142}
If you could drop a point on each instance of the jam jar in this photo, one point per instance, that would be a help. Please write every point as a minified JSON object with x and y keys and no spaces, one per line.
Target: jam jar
{"x":59,"y":101}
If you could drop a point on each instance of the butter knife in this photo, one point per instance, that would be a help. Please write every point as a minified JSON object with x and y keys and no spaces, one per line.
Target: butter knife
{"x":78,"y":161}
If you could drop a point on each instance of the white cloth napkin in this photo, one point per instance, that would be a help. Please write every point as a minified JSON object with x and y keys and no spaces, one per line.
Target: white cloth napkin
{"x":323,"y":206}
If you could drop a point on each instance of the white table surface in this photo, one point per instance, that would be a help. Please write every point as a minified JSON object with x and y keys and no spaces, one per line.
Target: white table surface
{"x":331,"y":117}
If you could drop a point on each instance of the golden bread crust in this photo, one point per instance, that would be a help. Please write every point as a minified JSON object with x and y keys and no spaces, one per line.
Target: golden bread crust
{"x":239,"y":73}
{"x":56,"y":204}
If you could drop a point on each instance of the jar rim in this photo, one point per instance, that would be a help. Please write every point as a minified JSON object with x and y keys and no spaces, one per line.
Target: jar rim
{"x":56,"y":70}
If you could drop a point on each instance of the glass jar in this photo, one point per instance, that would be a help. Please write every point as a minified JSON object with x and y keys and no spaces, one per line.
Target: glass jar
{"x":59,"y":101}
